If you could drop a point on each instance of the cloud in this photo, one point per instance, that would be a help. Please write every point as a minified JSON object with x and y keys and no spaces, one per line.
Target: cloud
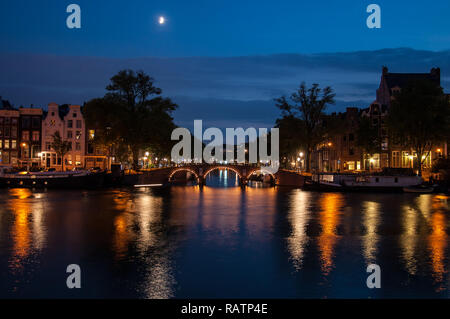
{"x":224,"y":90}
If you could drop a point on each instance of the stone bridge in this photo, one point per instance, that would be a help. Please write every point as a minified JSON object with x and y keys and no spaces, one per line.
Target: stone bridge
{"x":199,"y":172}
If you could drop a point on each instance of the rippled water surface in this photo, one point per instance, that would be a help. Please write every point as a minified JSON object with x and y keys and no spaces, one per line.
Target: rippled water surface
{"x":222,"y":242}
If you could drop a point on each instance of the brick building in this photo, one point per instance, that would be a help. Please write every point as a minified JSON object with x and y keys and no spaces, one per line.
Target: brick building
{"x":340,"y":152}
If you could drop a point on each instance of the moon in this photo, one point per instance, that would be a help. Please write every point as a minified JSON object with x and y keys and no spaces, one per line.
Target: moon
{"x":161,"y":20}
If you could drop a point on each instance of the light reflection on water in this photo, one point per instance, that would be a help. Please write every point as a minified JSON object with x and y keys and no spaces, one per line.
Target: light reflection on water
{"x":222,"y":242}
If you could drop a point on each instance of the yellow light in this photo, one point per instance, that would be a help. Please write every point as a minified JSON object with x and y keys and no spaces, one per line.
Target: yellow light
{"x":24,"y":144}
{"x":293,"y":163}
{"x":147,"y":154}
{"x":301,"y":154}
{"x":298,"y":159}
{"x":372,"y":160}
{"x":329,"y":143}
{"x":438,"y":150}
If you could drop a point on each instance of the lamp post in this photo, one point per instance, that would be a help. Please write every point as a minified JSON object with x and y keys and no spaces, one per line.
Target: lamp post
{"x":301,"y":160}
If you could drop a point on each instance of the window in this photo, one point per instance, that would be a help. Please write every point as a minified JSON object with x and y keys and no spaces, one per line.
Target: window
{"x":351,"y":151}
{"x":70,"y":146}
{"x":25,"y":122}
{"x":47,"y":146}
{"x":36,"y":122}
{"x":74,"y":114}
{"x":1,"y":131}
{"x":396,"y":159}
{"x":91,"y":134}
{"x":69,"y":134}
{"x":78,"y":123}
{"x":14,"y":132}
{"x":377,"y":180}
{"x":396,"y":180}
{"x":36,"y":136}
{"x":35,"y":150}
{"x":1,"y":120}
{"x":406,"y":160}
{"x":14,"y":121}
{"x":6,"y":144}
{"x":69,"y":123}
{"x":7,"y":120}
{"x":13,"y":144}
{"x":78,"y":146}
{"x":351,"y":166}
{"x":7,"y":131}
{"x":78,"y":135}
{"x":25,"y":136}
{"x":351,"y":137}
{"x":1,"y":144}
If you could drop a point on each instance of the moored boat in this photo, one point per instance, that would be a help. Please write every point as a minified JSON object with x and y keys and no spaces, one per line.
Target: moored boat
{"x":378,"y":182}
{"x":422,"y":189}
{"x":70,"y":179}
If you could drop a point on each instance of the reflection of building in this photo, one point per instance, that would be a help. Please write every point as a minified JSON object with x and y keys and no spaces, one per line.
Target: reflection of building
{"x":340,"y":152}
{"x":30,"y":123}
{"x":69,"y":122}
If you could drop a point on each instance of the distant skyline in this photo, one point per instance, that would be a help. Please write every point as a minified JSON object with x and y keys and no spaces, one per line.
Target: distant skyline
{"x":223,"y":62}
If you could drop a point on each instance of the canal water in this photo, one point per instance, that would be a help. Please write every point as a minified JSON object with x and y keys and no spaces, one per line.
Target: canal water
{"x":223,"y":241}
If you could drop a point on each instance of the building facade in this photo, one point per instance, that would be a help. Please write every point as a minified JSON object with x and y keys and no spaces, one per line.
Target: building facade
{"x":30,"y":134}
{"x":340,"y":153}
{"x":69,"y":122}
{"x":9,"y":137}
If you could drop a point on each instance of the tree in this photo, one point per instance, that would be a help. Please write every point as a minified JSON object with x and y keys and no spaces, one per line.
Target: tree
{"x":291,"y":138}
{"x":60,"y":146}
{"x":133,"y":113}
{"x":367,"y":137}
{"x":419,"y":118}
{"x":308,"y":105}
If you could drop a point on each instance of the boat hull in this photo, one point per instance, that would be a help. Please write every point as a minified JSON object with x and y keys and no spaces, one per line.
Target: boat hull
{"x":69,"y":182}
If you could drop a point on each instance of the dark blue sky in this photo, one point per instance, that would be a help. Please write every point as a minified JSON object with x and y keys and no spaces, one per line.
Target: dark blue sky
{"x":221,"y":28}
{"x":217,"y":58}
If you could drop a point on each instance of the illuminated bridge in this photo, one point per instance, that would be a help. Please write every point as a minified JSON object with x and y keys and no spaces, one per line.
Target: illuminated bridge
{"x":199,"y":172}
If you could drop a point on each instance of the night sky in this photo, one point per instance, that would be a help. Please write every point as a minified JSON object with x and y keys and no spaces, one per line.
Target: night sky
{"x":221,"y":61}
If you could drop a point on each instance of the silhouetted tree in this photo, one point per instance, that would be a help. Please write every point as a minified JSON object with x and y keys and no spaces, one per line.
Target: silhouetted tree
{"x":308,"y":105}
{"x":367,"y":137}
{"x":60,"y":146}
{"x":132,"y":113}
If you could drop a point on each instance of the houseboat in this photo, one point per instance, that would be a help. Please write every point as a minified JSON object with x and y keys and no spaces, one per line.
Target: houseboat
{"x":386,"y":181}
{"x":69,"y":179}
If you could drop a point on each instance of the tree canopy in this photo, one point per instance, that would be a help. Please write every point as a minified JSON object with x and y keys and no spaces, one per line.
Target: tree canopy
{"x":307,"y":106}
{"x":132,"y":115}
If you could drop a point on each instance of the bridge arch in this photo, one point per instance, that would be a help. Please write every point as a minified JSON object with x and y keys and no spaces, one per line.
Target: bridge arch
{"x":262,"y":170}
{"x":238,"y":173}
{"x":186,"y":169}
